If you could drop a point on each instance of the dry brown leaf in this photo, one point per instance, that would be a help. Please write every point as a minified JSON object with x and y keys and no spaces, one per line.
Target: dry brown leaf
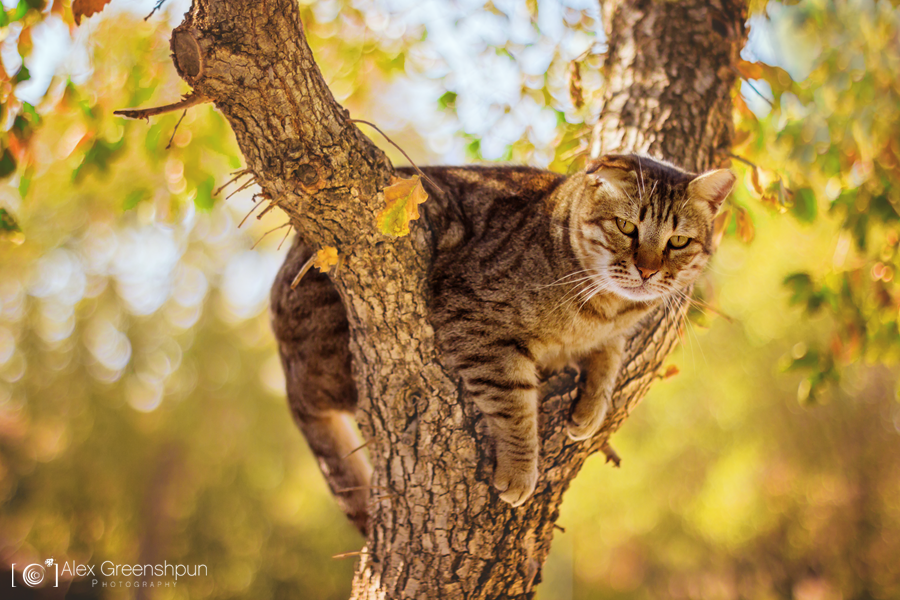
{"x":745,"y":227}
{"x":86,"y":8}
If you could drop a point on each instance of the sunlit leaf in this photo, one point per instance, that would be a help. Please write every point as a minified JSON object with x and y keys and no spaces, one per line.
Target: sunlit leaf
{"x":326,"y":258}
{"x":749,"y":70}
{"x":402,"y":199}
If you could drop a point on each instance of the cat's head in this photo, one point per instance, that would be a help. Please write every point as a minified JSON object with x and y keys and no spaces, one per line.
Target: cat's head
{"x":644,"y":228}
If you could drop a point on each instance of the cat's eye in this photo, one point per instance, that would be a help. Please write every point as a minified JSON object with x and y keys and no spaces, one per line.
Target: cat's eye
{"x":679,"y":241}
{"x":626,"y":227}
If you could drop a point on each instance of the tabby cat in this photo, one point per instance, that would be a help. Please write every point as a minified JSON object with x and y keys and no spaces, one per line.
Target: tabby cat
{"x":531,"y":270}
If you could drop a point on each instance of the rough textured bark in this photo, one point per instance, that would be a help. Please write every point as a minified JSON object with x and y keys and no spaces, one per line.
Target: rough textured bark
{"x":437,"y":527}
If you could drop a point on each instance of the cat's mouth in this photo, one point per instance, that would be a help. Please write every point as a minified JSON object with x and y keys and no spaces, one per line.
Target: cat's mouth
{"x":642,"y":292}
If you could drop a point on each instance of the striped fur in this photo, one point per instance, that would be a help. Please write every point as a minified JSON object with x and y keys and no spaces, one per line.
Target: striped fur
{"x":313,"y":338}
{"x":532,"y":270}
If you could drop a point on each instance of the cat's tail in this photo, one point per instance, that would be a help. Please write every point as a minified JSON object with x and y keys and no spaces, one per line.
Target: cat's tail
{"x":335,"y":442}
{"x":313,"y":337}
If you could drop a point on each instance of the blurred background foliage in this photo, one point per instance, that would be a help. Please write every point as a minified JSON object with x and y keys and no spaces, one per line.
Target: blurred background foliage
{"x":142,"y":416}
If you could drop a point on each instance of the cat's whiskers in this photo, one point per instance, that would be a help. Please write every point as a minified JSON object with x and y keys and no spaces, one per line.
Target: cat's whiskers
{"x":572,"y":294}
{"x":631,"y":198}
{"x":562,"y":280}
{"x":641,"y":171}
{"x":600,"y":286}
{"x":653,"y":189}
{"x":684,"y":323}
{"x":702,"y":304}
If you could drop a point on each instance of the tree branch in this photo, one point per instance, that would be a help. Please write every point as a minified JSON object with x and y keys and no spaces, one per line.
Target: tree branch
{"x":188,"y":101}
{"x":440,"y":530}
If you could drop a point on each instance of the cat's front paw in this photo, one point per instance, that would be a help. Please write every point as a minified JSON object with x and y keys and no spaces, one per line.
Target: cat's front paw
{"x":586,"y":419}
{"x":515,"y":480}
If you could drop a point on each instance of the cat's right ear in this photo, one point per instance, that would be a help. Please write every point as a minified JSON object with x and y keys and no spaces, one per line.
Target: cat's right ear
{"x":713,"y":187}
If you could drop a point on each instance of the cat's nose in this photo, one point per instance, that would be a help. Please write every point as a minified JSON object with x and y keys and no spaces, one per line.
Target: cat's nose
{"x":647,"y":273}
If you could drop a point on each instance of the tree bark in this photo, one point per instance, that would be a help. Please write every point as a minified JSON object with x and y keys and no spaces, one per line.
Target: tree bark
{"x":437,"y":527}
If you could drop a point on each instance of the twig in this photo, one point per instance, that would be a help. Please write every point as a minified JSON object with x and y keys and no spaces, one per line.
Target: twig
{"x":359,"y":487}
{"x":358,"y":448}
{"x":268,"y":232}
{"x":241,"y":189}
{"x":240,"y":174}
{"x":255,"y":206}
{"x":155,"y":8}
{"x":753,"y":87}
{"x":192,"y":99}
{"x":560,"y":527}
{"x":306,"y":267}
{"x":174,"y":131}
{"x":349,"y":554}
{"x":263,"y":213}
{"x":418,"y":170}
{"x":611,"y":455}
{"x":286,"y":234}
{"x":743,"y":160}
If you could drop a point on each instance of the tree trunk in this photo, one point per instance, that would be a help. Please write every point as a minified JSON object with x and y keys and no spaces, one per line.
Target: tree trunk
{"x":437,"y":527}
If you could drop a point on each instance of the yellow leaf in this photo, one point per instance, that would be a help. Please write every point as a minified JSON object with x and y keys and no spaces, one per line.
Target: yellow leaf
{"x":749,"y":70}
{"x":671,"y":371}
{"x":754,"y":177}
{"x":326,"y":258}
{"x":745,"y":226}
{"x":402,"y":199}
{"x":86,"y":8}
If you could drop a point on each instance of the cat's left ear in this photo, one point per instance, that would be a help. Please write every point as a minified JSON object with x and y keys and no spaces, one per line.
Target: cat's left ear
{"x":712,"y":187}
{"x":614,"y":169}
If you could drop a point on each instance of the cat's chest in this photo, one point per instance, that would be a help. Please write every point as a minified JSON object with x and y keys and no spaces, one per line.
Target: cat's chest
{"x":570,"y":337}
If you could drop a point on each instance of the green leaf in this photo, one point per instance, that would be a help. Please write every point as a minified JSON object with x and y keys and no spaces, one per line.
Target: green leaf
{"x":810,"y":360}
{"x":805,"y":208}
{"x":21,"y":10}
{"x":22,"y":75}
{"x":473,"y":149}
{"x":98,"y":157}
{"x":801,"y":286}
{"x":204,"y":199}
{"x":134,"y":198}
{"x":25,"y":181}
{"x":448,"y":100}
{"x":7,"y":164}
{"x":8,"y":225}
{"x":32,"y":113}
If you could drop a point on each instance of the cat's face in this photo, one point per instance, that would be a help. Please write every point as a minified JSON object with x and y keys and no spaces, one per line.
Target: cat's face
{"x":644,"y":228}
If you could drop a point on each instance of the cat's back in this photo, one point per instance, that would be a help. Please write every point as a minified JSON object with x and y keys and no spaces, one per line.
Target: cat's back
{"x":474,"y":200}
